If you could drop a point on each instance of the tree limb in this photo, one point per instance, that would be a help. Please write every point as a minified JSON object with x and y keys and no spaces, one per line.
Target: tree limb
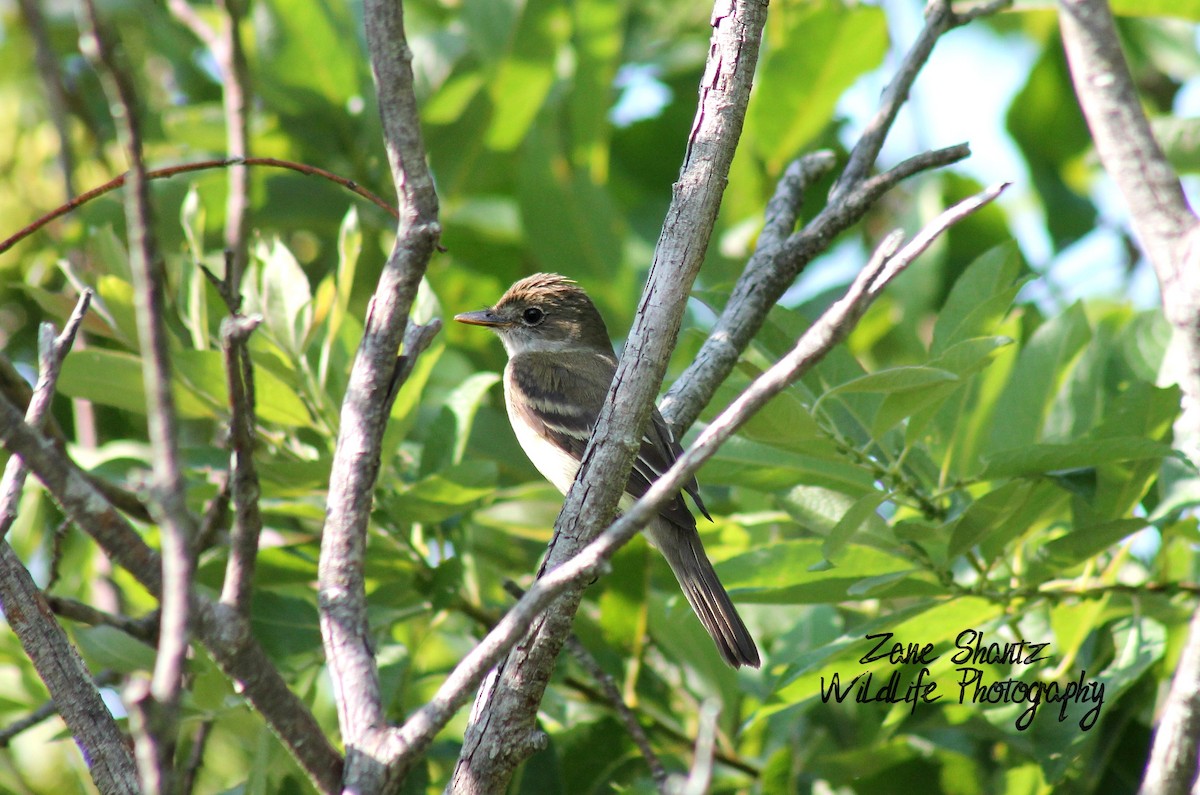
{"x":372,"y":763}
{"x":1167,"y":230}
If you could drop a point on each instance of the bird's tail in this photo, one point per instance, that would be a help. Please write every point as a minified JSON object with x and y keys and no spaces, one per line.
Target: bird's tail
{"x":685,"y":554}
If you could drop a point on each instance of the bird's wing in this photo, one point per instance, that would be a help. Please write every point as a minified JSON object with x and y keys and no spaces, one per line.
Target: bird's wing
{"x":569,"y":426}
{"x":538,"y":378}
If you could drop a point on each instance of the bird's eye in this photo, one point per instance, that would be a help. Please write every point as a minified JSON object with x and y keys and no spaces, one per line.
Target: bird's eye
{"x":532,"y":316}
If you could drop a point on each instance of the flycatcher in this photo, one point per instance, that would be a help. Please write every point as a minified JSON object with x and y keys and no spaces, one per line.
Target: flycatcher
{"x":560,"y":367}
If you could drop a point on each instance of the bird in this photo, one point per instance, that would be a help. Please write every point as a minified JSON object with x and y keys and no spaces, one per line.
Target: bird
{"x":560,"y":367}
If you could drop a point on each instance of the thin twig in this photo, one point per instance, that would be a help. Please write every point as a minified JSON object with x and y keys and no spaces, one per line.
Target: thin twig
{"x":187,"y":168}
{"x":244,"y":485}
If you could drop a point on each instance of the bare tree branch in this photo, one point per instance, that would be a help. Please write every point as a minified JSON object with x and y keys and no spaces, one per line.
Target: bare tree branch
{"x":939,"y":19}
{"x":52,"y":351}
{"x":49,"y":710}
{"x":1168,"y":231}
{"x":144,"y":629}
{"x":56,"y":92}
{"x":225,"y":46}
{"x":1165,"y":225}
{"x":371,"y":764}
{"x":611,"y":694}
{"x":699,"y":778}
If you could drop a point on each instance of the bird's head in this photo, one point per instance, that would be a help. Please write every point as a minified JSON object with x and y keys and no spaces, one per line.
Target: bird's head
{"x":544,"y":312}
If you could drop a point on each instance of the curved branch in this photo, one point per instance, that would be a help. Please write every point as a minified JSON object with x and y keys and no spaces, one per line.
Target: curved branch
{"x":187,"y":168}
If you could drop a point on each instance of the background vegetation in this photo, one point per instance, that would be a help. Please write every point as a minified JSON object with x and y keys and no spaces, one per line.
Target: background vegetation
{"x":986,"y":451}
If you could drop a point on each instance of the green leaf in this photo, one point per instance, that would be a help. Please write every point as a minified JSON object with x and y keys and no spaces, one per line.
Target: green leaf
{"x":286,"y":297}
{"x":452,"y":98}
{"x":276,"y":401}
{"x":862,"y":510}
{"x":108,"y":647}
{"x":1084,"y":542}
{"x":350,"y":241}
{"x":349,"y":248}
{"x":980,"y":297}
{"x":1036,"y":459}
{"x":832,"y":44}
{"x":408,"y":399}
{"x":1047,"y":102}
{"x":746,"y":463}
{"x":964,"y":359}
{"x":448,"y":493}
{"x":285,"y":625}
{"x":447,"y":439}
{"x":566,"y":216}
{"x":293,"y":78}
{"x":116,"y":294}
{"x":786,"y":573}
{"x":525,"y":76}
{"x":937,"y":623}
{"x":987,"y":514}
{"x":1036,"y":380}
{"x":895,"y":379}
{"x":783,"y":422}
{"x":114,"y":379}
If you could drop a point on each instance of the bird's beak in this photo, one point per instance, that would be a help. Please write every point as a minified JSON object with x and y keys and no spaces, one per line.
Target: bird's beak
{"x":484,"y":317}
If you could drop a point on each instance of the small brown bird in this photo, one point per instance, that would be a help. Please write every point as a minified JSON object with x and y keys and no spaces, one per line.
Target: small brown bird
{"x":560,"y":367}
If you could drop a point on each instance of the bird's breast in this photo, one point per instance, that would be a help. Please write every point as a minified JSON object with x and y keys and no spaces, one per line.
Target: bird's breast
{"x":556,"y":465}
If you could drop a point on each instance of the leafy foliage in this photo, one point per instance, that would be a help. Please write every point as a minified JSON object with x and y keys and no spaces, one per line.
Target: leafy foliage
{"x":971,"y":460}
